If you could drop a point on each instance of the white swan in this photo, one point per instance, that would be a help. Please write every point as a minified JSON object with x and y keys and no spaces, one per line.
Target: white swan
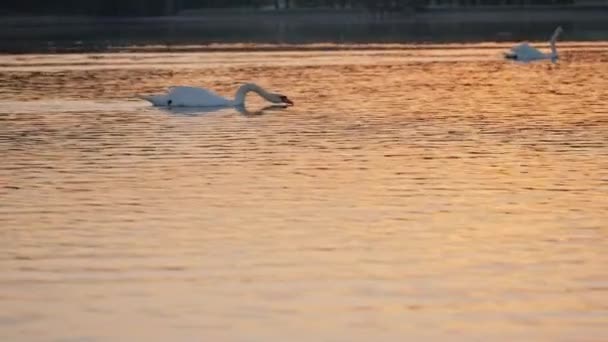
{"x":182,"y":96}
{"x":525,"y":53}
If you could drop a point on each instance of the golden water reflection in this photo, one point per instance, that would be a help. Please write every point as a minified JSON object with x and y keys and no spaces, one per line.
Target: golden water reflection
{"x":451,"y":196}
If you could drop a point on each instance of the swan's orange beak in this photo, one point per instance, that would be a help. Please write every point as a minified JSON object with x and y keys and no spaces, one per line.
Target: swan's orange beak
{"x":286,"y":101}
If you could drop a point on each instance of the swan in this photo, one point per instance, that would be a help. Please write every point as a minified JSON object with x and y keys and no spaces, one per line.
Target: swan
{"x":525,"y":53}
{"x":184,"y":96}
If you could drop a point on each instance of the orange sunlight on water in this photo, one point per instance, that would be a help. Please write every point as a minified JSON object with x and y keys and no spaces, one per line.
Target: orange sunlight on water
{"x":435,"y":194}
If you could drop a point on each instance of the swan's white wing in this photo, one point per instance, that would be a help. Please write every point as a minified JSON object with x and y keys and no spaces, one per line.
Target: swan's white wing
{"x":182,"y":96}
{"x":526,"y":52}
{"x":157,"y":100}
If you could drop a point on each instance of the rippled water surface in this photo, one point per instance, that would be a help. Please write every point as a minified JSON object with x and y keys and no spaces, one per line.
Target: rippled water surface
{"x":411,"y":194}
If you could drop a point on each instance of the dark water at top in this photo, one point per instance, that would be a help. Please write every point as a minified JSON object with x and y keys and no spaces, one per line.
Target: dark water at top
{"x":102,"y":34}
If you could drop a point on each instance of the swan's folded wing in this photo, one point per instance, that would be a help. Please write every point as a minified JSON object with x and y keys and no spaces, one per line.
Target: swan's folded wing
{"x":194,"y":97}
{"x":525,"y":51}
{"x":192,"y":91}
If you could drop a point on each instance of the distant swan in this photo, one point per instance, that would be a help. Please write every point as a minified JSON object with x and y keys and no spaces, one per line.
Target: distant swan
{"x":525,"y":53}
{"x":182,"y":96}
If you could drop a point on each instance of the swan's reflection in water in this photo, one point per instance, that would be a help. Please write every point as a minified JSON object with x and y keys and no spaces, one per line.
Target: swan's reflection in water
{"x":243,"y":110}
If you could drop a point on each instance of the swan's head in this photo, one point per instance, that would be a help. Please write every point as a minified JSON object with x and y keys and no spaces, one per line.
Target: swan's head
{"x":281,"y":99}
{"x":556,"y":34}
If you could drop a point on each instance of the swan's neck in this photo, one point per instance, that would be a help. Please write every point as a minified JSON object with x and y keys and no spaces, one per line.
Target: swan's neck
{"x":553,"y":49}
{"x":241,"y":93}
{"x":552,"y":42}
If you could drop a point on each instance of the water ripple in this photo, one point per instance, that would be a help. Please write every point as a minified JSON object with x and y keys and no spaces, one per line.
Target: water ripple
{"x":408,"y":193}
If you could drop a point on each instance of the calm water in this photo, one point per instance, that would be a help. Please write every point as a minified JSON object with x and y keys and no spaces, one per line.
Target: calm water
{"x":411,"y":193}
{"x":50,"y":34}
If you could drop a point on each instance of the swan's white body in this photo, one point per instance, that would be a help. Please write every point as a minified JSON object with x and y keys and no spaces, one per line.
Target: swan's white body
{"x":182,"y":96}
{"x":524,"y":52}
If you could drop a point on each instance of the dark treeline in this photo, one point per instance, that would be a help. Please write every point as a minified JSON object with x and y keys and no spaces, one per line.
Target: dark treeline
{"x":88,"y":7}
{"x":170,"y":7}
{"x":287,"y":4}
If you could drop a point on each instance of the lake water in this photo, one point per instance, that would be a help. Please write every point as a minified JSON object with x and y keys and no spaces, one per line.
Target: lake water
{"x":412,"y":193}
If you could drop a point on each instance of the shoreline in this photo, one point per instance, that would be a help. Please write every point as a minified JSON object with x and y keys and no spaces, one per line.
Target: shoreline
{"x":286,"y":48}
